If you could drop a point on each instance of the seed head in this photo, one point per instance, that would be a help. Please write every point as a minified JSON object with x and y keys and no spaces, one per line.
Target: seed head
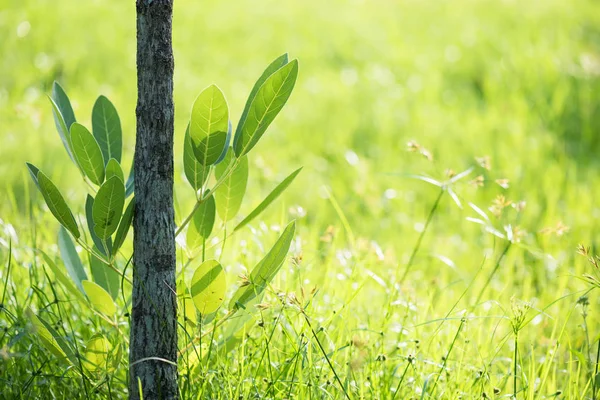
{"x":498,"y":205}
{"x":244,"y":280}
{"x":503,"y":183}
{"x":413,"y":146}
{"x":478,"y":181}
{"x":484,"y":162}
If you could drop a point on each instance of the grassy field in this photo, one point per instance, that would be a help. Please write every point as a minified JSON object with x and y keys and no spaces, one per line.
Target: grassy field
{"x":395,"y":288}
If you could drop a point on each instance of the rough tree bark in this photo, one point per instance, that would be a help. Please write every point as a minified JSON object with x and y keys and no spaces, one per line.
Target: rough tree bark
{"x":153,"y":340}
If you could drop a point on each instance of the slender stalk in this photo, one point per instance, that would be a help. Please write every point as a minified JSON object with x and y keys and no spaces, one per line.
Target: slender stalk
{"x":496,"y":266}
{"x":8,"y":265}
{"x":401,"y":379}
{"x":224,"y":241}
{"x":413,"y":254}
{"x":595,"y":373}
{"x":215,"y":326}
{"x":337,"y":378}
{"x":420,"y":239}
{"x":445,"y":361}
{"x":515,"y":365}
{"x":588,"y":343}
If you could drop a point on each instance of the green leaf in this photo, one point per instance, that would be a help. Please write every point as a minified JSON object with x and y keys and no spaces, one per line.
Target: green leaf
{"x":106,"y":126}
{"x":242,"y":321}
{"x":70,"y":257}
{"x":188,"y":310}
{"x":45,"y":336}
{"x":208,"y":287}
{"x":208,"y":125}
{"x":96,"y":354}
{"x":113,"y":168}
{"x":230,"y":193}
{"x":104,"y":276}
{"x":209,"y":150}
{"x":87,"y":153}
{"x":57,"y":205}
{"x":100,"y":299}
{"x":123,"y":227}
{"x":63,"y":116}
{"x":274,"y":66}
{"x":108,"y":207}
{"x":269,"y":199}
{"x":101,"y":245}
{"x":33,"y":171}
{"x":63,"y":103}
{"x":62,"y":343}
{"x":64,"y":279}
{"x":195,"y":172}
{"x":227,"y":141}
{"x":269,"y":100}
{"x":129,"y":185}
{"x":265,"y":270}
{"x":202,"y":224}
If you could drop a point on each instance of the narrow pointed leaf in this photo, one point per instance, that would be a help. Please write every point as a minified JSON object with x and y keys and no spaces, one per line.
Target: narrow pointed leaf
{"x":230,"y":194}
{"x":195,"y":172}
{"x":269,"y":199}
{"x":113,"y":168}
{"x":45,"y":336}
{"x":87,"y":153}
{"x":70,"y":257}
{"x":108,"y":207}
{"x":63,"y":278}
{"x":60,"y":340}
{"x":202,"y":224}
{"x":106,"y":126}
{"x":264,"y":272}
{"x":269,"y":100}
{"x":100,"y":299}
{"x":57,"y":205}
{"x":33,"y":171}
{"x":63,"y":116}
{"x":60,"y":98}
{"x":123,"y":228}
{"x":208,"y":287}
{"x":188,"y":311}
{"x":129,"y":185}
{"x":227,"y":141}
{"x":243,"y":319}
{"x":270,"y":70}
{"x":208,"y":125}
{"x":105,"y":277}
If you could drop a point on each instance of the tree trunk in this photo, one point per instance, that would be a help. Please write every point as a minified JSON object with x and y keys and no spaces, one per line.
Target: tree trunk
{"x":153,"y":341}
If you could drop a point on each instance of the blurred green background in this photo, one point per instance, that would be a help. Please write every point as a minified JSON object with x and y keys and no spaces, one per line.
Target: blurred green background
{"x":518,"y":81}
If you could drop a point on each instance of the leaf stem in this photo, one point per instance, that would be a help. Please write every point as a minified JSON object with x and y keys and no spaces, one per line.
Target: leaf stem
{"x":99,"y":257}
{"x":206,"y":195}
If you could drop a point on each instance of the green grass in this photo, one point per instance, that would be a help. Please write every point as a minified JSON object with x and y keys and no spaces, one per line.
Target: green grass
{"x":515,"y":81}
